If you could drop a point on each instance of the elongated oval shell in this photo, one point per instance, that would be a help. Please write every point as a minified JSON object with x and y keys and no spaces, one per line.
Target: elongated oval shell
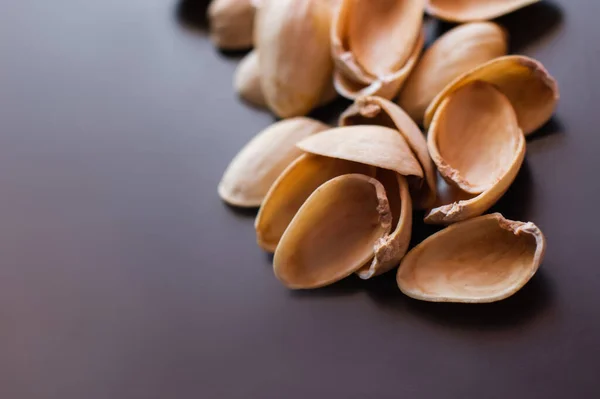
{"x":293,"y":42}
{"x":295,"y":184}
{"x":473,"y":10}
{"x":389,"y":249}
{"x":485,"y":259}
{"x":231,"y":23}
{"x":378,"y":111}
{"x":529,"y":87}
{"x":254,"y":169}
{"x":455,"y":52}
{"x":333,"y":233}
{"x":475,"y":137}
{"x":377,"y":146}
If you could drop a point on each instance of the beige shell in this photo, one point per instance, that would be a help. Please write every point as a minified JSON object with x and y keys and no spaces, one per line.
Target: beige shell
{"x":254,"y":169}
{"x":529,"y":87}
{"x":231,"y":23}
{"x":473,"y":10}
{"x":293,"y":42}
{"x":475,"y":137}
{"x":378,"y":111}
{"x":333,"y":233}
{"x":295,"y":184}
{"x":375,"y":44}
{"x":377,"y":146}
{"x":455,"y":52}
{"x":246,"y":83}
{"x":389,"y":249}
{"x":482,"y":260}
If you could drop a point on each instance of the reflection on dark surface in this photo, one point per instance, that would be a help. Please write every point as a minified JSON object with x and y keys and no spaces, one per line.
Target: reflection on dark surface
{"x":553,"y":126}
{"x":244,"y":212}
{"x":516,"y":202}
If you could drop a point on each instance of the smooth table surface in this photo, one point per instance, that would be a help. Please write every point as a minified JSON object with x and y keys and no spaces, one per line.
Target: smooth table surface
{"x":122,"y":274}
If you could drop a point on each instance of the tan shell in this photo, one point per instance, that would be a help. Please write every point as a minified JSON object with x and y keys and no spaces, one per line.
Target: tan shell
{"x":378,"y":111}
{"x":247,"y":83}
{"x":475,"y":137}
{"x":455,"y":52}
{"x":473,"y":10}
{"x":482,"y":260}
{"x":389,"y":249}
{"x":254,"y":169}
{"x":231,"y":23}
{"x":295,"y":184}
{"x":293,"y":42}
{"x":529,"y":87}
{"x":377,"y":146}
{"x":373,"y":42}
{"x":333,"y":233}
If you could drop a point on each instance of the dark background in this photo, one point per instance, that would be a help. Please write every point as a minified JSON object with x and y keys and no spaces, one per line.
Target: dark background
{"x":122,"y":274}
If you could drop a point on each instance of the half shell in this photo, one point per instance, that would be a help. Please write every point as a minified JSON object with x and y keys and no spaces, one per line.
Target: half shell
{"x":375,"y":44}
{"x":475,"y":137}
{"x":254,"y":169}
{"x":528,"y":86}
{"x":377,"y":146}
{"x":231,"y":23}
{"x":378,"y":111}
{"x":455,"y":52}
{"x":485,"y":259}
{"x":295,"y":184}
{"x":333,"y":233}
{"x":473,"y":10}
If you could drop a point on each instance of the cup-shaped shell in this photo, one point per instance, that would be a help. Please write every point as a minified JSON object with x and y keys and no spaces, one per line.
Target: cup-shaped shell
{"x":455,"y":52}
{"x":473,"y":10}
{"x":485,"y":259}
{"x":373,"y":42}
{"x":255,"y":168}
{"x":295,"y":184}
{"x":475,"y":137}
{"x":524,"y":81}
{"x":382,"y":112}
{"x":377,"y":146}
{"x":231,"y":23}
{"x":293,"y":42}
{"x":333,"y":233}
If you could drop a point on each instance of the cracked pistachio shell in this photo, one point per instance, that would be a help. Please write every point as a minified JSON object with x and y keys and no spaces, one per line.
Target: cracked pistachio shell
{"x":482,"y":260}
{"x":475,"y":137}
{"x":254,"y":169}
{"x":455,"y":52}
{"x":333,"y":233}
{"x":293,"y":42}
{"x":377,"y":146}
{"x":381,"y":112}
{"x":231,"y":23}
{"x":473,"y":10}
{"x":389,"y":249}
{"x":295,"y":184}
{"x":524,"y":81}
{"x":246,"y":83}
{"x":375,"y":44}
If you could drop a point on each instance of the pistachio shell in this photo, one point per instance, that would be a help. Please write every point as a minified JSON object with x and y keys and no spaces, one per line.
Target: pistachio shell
{"x":231,"y":23}
{"x":529,"y":87}
{"x":377,"y":146}
{"x":384,"y":86}
{"x":375,"y":44}
{"x":474,"y":138}
{"x":389,"y":249}
{"x":293,"y":42}
{"x":452,"y":54}
{"x":482,"y":260}
{"x":378,"y":111}
{"x":254,"y":169}
{"x":295,"y":184}
{"x":247,"y":83}
{"x":473,"y":10}
{"x":333,"y":233}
